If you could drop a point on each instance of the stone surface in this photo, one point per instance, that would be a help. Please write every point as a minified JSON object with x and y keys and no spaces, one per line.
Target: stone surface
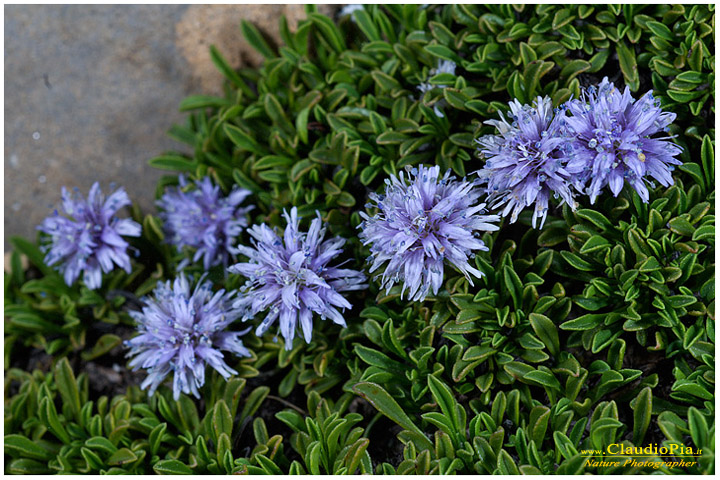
{"x":90,"y":92}
{"x":219,"y":25}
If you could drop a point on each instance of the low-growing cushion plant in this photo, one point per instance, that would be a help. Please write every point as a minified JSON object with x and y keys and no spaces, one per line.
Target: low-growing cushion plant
{"x":596,"y":329}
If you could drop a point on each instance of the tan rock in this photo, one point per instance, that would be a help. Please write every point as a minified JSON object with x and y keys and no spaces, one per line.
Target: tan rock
{"x":219,"y":25}
{"x":8,"y":265}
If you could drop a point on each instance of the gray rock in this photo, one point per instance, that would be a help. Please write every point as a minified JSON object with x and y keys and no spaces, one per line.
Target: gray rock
{"x":90,"y":92}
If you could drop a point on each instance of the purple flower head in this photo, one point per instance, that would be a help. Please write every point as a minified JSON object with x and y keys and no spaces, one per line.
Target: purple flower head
{"x":181,"y":333}
{"x":525,"y":163}
{"x":204,"y":219}
{"x":444,"y":66}
{"x":89,"y":239}
{"x":424,"y":221}
{"x":289,"y":277}
{"x":611,"y":140}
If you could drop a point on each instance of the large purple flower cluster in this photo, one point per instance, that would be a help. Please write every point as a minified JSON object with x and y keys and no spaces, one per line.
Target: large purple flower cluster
{"x":89,"y":239}
{"x":612,"y":141}
{"x":290,"y":278}
{"x":526,"y":162}
{"x":604,"y":138}
{"x":204,"y":219}
{"x":181,"y":333}
{"x":422,"y":222}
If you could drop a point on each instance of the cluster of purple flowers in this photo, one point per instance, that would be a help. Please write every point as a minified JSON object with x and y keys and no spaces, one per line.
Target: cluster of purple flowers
{"x":289,"y":277}
{"x":182,"y":332}
{"x":424,"y":221}
{"x":89,"y":239}
{"x":204,"y":219}
{"x":613,"y":141}
{"x":604,"y":138}
{"x":525,"y":163}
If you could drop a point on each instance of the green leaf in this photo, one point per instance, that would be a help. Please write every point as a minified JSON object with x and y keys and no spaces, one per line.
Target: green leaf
{"x":268,"y":465}
{"x":242,"y":139}
{"x":101,"y":444}
{"x":26,"y":466}
{"x":273,"y":161}
{"x":681,"y":226}
{"x":19,"y":446}
{"x":691,"y":388}
{"x":172,"y":467}
{"x":49,"y":416}
{"x":584,"y":322}
{"x":254,"y":400}
{"x":660,"y":30}
{"x":596,"y":218}
{"x":155,"y":437}
{"x":378,"y":359}
{"x":443,"y":52}
{"x":577,"y":262}
{"x":256,"y":40}
{"x":628,"y":65}
{"x":222,"y":420}
{"x":681,"y":301}
{"x":387,"y":405}
{"x":195,"y":102}
{"x":574,"y":68}
{"x":698,"y":427}
{"x":312,"y":458}
{"x":546,"y":379}
{"x":104,"y":344}
{"x":365,"y":23}
{"x":564,"y":445}
{"x":329,"y":30}
{"x":593,"y":244}
{"x":446,"y":401}
{"x":385,"y":81}
{"x":513,"y":285}
{"x":355,"y":455}
{"x":538,"y":423}
{"x":641,"y":415}
{"x":229,"y":72}
{"x":67,"y":386}
{"x":301,"y":122}
{"x":546,"y":331}
{"x":506,"y":465}
{"x":93,"y":460}
{"x":173,"y":162}
{"x":346,"y":200}
{"x":300,"y":169}
{"x":707,"y":156}
{"x":705,"y":232}
{"x":121,"y":457}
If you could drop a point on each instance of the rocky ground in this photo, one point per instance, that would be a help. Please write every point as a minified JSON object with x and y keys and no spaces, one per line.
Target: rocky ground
{"x":91,"y":90}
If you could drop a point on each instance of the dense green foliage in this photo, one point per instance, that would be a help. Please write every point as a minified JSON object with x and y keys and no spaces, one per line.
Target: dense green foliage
{"x":598,"y":329}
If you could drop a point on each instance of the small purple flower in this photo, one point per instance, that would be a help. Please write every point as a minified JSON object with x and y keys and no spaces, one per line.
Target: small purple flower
{"x":444,"y":66}
{"x":525,"y":163}
{"x":90,"y":240}
{"x":611,"y":136}
{"x":289,"y":277}
{"x":204,"y":219}
{"x":181,"y":333}
{"x":423,"y":222}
